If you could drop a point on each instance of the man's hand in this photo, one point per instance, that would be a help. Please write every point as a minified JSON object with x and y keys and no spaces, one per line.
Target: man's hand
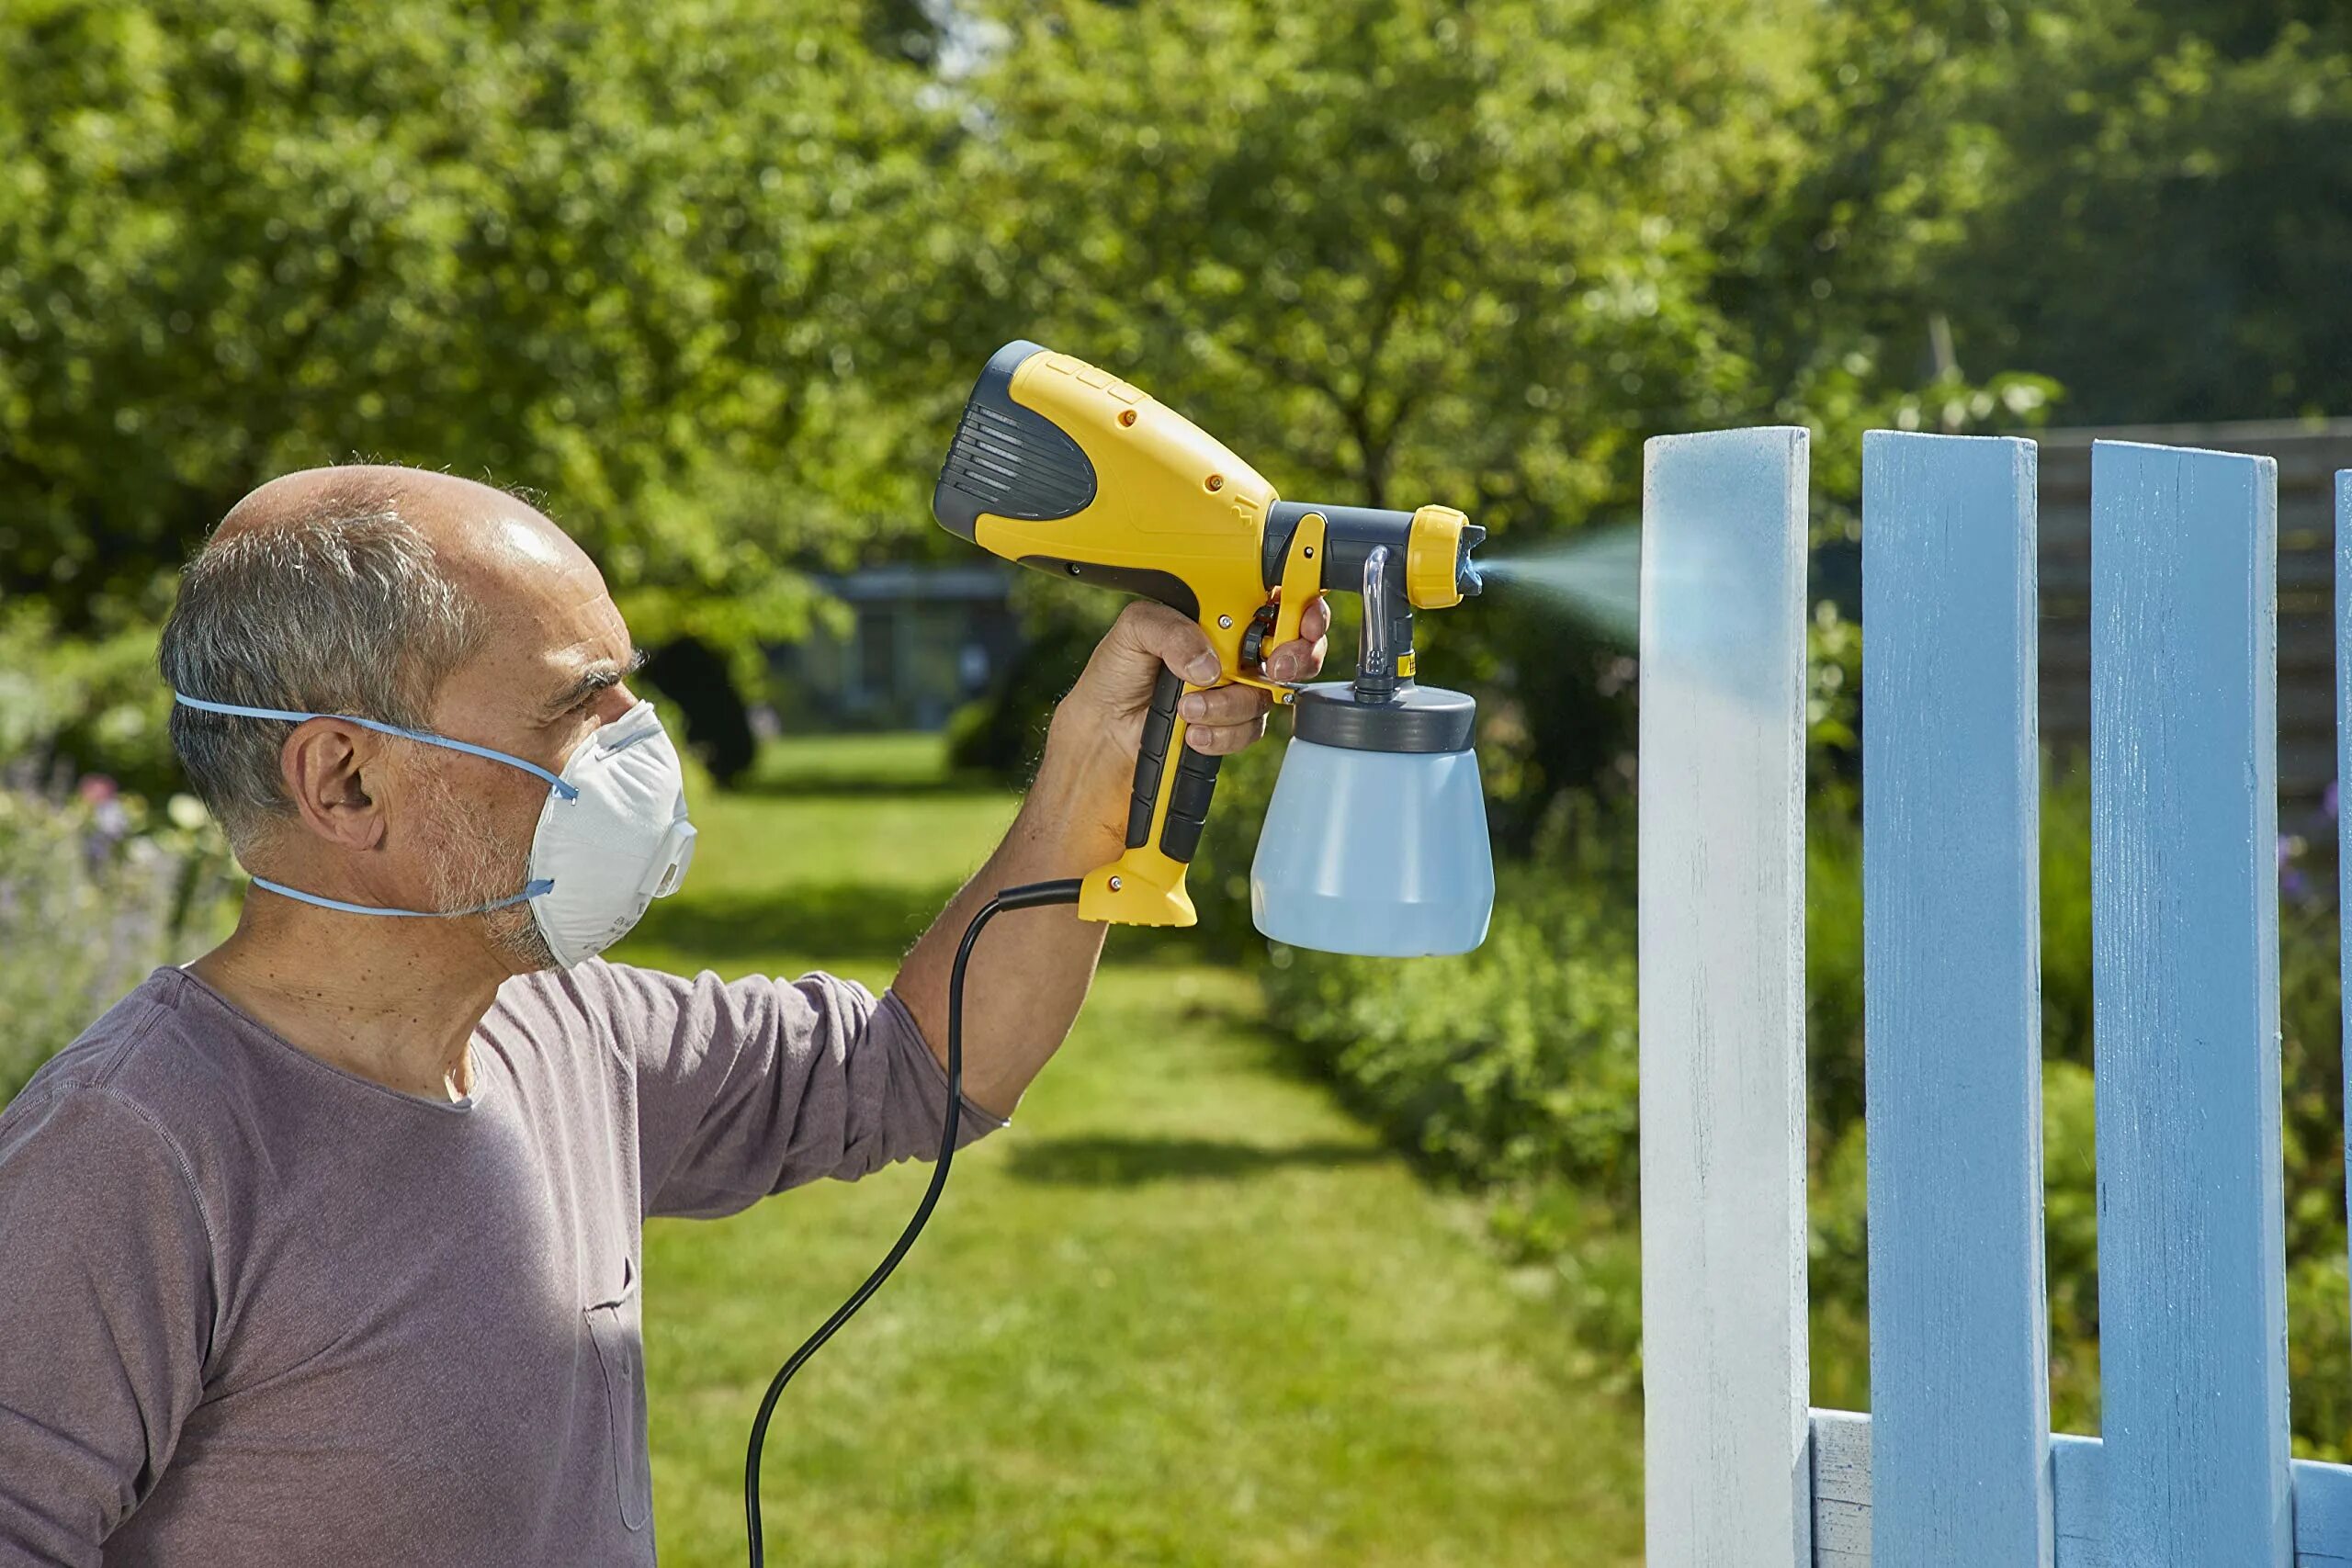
{"x":1103,"y":711}
{"x":1037,"y":964}
{"x":1098,"y":728}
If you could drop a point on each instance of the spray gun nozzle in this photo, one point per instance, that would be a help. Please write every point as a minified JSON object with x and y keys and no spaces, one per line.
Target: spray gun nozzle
{"x":1467,"y":575}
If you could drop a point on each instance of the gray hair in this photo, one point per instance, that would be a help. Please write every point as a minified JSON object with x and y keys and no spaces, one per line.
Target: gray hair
{"x":339,"y":608}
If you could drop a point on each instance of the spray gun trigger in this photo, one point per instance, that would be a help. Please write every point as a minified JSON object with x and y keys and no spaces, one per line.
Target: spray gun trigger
{"x":1285,"y":692}
{"x":1276,"y":621}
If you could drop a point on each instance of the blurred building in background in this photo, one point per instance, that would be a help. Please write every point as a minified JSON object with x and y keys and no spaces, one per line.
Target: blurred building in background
{"x":923,"y":640}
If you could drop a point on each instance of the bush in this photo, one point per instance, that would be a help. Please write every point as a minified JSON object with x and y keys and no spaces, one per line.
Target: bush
{"x":88,"y":704}
{"x":98,"y":882}
{"x":95,"y":890}
{"x":1501,"y":1066}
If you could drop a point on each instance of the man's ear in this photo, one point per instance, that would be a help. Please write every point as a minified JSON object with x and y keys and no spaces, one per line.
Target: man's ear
{"x":323,"y":765}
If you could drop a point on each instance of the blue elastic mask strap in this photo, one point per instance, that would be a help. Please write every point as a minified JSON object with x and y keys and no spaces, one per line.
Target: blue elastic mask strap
{"x":555,"y":781}
{"x":530,"y":890}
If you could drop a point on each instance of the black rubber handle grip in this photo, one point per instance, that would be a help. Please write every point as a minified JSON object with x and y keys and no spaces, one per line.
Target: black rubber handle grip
{"x":1188,"y":805}
{"x":1151,"y":758}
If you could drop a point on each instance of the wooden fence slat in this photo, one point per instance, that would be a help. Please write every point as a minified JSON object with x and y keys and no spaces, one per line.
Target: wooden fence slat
{"x":1959,"y":1340}
{"x":2343,"y":769}
{"x":2078,"y":1487}
{"x":2185,"y":928}
{"x":1843,"y":1503}
{"x":1842,"y":1490}
{"x":1722,"y":1000}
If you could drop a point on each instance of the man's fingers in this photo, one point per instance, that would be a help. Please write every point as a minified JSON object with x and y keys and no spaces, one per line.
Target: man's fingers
{"x":1159,"y":632}
{"x":1224,"y":705}
{"x":1316,"y":620}
{"x":1224,"y":739}
{"x":1300,"y":661}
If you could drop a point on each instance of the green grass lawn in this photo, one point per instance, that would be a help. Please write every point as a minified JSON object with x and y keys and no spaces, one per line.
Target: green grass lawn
{"x":1185,"y":1311}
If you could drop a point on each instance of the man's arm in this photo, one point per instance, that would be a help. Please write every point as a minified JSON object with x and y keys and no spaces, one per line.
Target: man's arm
{"x":1031,"y":969}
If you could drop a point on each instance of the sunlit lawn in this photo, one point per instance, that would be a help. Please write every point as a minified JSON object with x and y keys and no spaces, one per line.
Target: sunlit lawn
{"x":1185,"y":1311}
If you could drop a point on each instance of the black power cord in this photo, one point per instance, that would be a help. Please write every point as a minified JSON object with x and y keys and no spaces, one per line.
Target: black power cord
{"x":1029,"y":896}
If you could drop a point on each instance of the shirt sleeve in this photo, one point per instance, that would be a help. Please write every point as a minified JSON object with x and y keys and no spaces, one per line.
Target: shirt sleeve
{"x":105,"y":1323}
{"x":749,"y":1087}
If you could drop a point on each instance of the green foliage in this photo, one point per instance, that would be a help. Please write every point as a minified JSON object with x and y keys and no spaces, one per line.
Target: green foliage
{"x":1508,"y":1065}
{"x":1002,"y":732}
{"x":2146,"y":201}
{"x":70,"y":707}
{"x":616,"y":254}
{"x":714,"y":278}
{"x":94,"y":891}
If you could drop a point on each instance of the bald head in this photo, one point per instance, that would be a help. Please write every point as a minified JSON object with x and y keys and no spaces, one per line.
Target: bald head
{"x":369,"y":591}
{"x":475,"y":532}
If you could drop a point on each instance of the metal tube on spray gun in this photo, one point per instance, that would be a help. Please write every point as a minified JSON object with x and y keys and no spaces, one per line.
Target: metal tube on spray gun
{"x":1376,"y":666}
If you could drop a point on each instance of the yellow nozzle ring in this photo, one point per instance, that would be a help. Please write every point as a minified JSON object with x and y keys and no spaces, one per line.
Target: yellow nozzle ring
{"x":1433,"y":557}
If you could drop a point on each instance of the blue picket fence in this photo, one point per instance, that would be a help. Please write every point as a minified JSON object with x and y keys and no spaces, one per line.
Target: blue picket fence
{"x":1955,"y":1466}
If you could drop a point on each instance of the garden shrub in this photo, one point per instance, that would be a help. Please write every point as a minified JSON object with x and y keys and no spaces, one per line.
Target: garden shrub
{"x":71,"y":705}
{"x":1511,"y":1064}
{"x":105,"y":872}
{"x":95,"y":890}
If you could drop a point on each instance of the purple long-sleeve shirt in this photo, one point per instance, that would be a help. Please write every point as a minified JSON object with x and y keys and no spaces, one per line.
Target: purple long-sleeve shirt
{"x":255,"y":1310}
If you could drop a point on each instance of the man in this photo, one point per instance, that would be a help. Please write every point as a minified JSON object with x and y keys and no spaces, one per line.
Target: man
{"x":326,"y":1248}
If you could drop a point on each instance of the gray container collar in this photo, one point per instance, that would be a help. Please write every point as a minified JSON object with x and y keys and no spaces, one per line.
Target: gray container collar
{"x":1412,"y":718}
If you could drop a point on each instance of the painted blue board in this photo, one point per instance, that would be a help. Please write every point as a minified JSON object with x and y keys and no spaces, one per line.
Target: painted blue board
{"x":2185,"y":982}
{"x":1959,"y":1335}
{"x":1724,"y":1328}
{"x":2344,"y":761}
{"x":1842,"y":1502}
{"x":2085,"y":1482}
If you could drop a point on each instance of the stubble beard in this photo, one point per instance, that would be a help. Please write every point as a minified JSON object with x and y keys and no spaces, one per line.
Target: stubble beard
{"x":479,"y":865}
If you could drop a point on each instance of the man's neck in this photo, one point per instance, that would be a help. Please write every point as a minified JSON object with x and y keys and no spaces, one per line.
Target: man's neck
{"x":398,"y":1008}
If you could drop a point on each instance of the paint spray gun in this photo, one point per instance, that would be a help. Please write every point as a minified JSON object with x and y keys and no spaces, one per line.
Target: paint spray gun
{"x":1375,"y":842}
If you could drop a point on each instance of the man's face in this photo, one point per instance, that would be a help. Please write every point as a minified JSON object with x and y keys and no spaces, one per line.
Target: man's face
{"x":553,"y":666}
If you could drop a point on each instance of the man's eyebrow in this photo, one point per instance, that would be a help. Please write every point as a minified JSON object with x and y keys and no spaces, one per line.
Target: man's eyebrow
{"x":600,"y":676}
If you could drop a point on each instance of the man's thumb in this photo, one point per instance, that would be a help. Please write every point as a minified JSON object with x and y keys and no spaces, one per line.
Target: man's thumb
{"x":1161,"y":634}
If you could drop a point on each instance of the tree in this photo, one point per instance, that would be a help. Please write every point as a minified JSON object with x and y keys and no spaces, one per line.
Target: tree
{"x":2151,"y":203}
{"x":1392,"y":251}
{"x":621,"y":254}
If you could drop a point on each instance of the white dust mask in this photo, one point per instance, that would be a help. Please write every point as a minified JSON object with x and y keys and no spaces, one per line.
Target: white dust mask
{"x":613,"y":836}
{"x":618,"y":843}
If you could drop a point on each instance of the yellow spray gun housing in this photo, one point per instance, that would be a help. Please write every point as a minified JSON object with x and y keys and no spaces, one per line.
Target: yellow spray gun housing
{"x":1066,"y":468}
